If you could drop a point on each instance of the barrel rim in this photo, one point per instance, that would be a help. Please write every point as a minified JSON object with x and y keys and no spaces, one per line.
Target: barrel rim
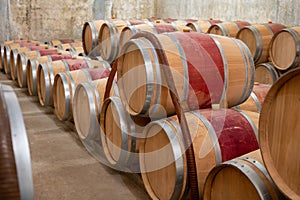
{"x":124,"y":154}
{"x":296,"y":36}
{"x":94,"y":128}
{"x":149,"y":73}
{"x":258,"y":40}
{"x":19,"y":142}
{"x":271,"y":68}
{"x":246,"y":170}
{"x":263,"y":134}
{"x":179,"y":158}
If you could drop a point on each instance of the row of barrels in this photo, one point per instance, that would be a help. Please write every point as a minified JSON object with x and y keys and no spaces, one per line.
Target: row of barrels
{"x":162,"y":158}
{"x":162,"y":169}
{"x":209,"y":71}
{"x":269,"y":43}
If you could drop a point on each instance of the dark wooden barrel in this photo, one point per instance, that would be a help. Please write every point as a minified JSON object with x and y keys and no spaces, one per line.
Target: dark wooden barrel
{"x":284,"y":48}
{"x":242,"y":178}
{"x":90,"y":34}
{"x":65,"y":85}
{"x":202,"y":26}
{"x":255,"y":101}
{"x":15,"y":165}
{"x":229,"y":29}
{"x":207,"y":70}
{"x":217,"y":135}
{"x":32,"y":66}
{"x":279,"y":136}
{"x":266,"y":73}
{"x":87,"y":105}
{"x":258,"y":37}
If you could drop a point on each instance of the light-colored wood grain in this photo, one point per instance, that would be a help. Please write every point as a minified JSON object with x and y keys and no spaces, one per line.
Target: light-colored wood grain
{"x":266,"y":73}
{"x":279,"y":133}
{"x":283,"y":49}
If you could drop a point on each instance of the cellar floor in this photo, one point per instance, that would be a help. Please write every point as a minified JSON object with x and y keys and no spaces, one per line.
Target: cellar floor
{"x":62,"y":168}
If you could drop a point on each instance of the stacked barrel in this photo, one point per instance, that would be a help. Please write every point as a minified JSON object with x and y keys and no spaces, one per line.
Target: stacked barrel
{"x":183,"y":102}
{"x":141,"y":126}
{"x":178,"y":103}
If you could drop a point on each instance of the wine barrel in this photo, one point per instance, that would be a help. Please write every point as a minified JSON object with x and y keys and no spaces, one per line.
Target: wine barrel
{"x":217,"y":135}
{"x":229,"y":29}
{"x":15,"y":164}
{"x":242,"y":178}
{"x":13,"y":46}
{"x":109,"y":38}
{"x":279,"y":133}
{"x":78,"y":51}
{"x":87,"y":104}
{"x":69,"y":46}
{"x":1,"y":56}
{"x":90,"y":34}
{"x":22,"y":60}
{"x":65,"y":84}
{"x":256,"y":99}
{"x":284,"y":48}
{"x":183,"y":22}
{"x":121,"y":135}
{"x":207,"y":69}
{"x":13,"y":58}
{"x":129,"y":31}
{"x":258,"y":37}
{"x":266,"y":73}
{"x":6,"y":44}
{"x":47,"y":71}
{"x":56,"y":43}
{"x":32,"y":66}
{"x":202,"y":26}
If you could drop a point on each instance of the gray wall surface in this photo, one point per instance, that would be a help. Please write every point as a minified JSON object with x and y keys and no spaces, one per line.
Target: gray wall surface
{"x":46,"y":19}
{"x":50,"y":19}
{"x":254,"y":11}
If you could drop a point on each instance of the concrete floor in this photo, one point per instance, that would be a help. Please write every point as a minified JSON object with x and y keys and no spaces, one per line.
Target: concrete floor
{"x":62,"y":168}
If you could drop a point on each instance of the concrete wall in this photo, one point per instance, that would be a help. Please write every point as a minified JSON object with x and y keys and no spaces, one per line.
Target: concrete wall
{"x":45,"y":20}
{"x":133,"y":9}
{"x":49,"y":19}
{"x":254,"y":11}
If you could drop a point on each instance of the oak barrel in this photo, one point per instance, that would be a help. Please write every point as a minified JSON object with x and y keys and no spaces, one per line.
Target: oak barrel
{"x":242,"y":178}
{"x":90,"y":34}
{"x":279,"y":136}
{"x":22,"y":60}
{"x":202,"y":26}
{"x":217,"y":135}
{"x":14,"y":55}
{"x":256,"y":99}
{"x":15,"y":165}
{"x":208,"y":69}
{"x":266,"y":73}
{"x":158,"y":28}
{"x":109,"y":38}
{"x":87,"y":104}
{"x":47,"y":71}
{"x":32,"y":66}
{"x":65,"y":84}
{"x":121,"y":135}
{"x":229,"y":29}
{"x":285,"y":48}
{"x":258,"y":37}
